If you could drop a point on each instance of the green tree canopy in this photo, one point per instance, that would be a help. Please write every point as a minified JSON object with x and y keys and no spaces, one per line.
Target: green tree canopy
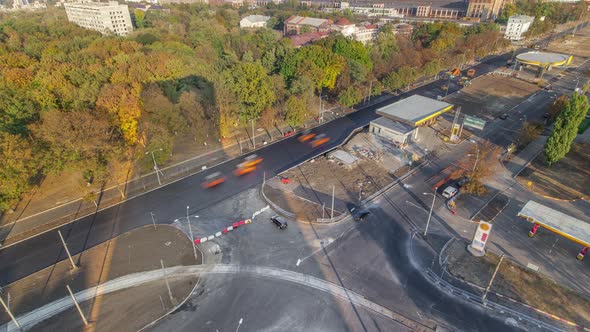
{"x":252,"y":88}
{"x":565,"y":128}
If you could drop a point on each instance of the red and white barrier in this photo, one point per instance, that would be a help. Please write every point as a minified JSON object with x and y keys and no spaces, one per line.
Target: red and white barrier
{"x":224,"y":231}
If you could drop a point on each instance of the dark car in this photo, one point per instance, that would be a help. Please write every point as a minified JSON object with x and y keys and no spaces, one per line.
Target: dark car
{"x":358,"y":213}
{"x":504,"y":116}
{"x":279,"y":222}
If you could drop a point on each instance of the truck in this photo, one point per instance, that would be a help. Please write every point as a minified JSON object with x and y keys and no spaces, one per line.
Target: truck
{"x":455,"y":72}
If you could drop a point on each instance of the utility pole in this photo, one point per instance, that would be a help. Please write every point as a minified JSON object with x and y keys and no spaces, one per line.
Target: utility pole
{"x":67,"y":250}
{"x":320,"y":110}
{"x":156,"y":165}
{"x":84,"y":320}
{"x":190,"y":231}
{"x":153,"y":220}
{"x":253,"y":136}
{"x":431,"y":208}
{"x":332,"y":212}
{"x":167,"y":284}
{"x":485,"y":294}
{"x":9,"y":313}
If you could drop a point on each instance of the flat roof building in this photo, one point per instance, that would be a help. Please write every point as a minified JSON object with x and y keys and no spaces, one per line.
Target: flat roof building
{"x":414,"y":110}
{"x":400,"y":120}
{"x":104,"y":17}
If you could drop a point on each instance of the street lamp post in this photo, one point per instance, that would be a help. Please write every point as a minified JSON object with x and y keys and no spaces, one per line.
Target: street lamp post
{"x":448,"y":86}
{"x":476,"y":155}
{"x":190,"y":231}
{"x":155,"y":165}
{"x":431,"y":208}
{"x":239,"y":324}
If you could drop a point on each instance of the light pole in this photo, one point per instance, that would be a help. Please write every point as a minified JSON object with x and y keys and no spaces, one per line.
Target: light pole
{"x":253,"y":136}
{"x":320,"y":109}
{"x":156,"y":165}
{"x":239,"y":324}
{"x":431,"y":208}
{"x":190,"y":231}
{"x":476,"y":155}
{"x":448,"y":85}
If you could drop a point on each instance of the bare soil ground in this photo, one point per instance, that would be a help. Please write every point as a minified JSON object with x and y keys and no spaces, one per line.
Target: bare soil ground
{"x":578,"y":46}
{"x":128,"y":253}
{"x":126,"y":310}
{"x":378,"y":161}
{"x":518,"y":283}
{"x":567,"y":179}
{"x":492,"y":95}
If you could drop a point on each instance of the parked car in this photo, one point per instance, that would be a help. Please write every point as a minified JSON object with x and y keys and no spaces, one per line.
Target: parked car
{"x":357,"y":213}
{"x":279,"y":222}
{"x":462,"y":181}
{"x":503,"y":116}
{"x":449,"y":192}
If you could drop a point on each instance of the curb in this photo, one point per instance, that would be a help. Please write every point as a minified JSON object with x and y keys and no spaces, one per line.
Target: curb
{"x":551,"y":197}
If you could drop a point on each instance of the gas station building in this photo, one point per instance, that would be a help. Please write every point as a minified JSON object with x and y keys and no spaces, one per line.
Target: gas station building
{"x":400,"y":121}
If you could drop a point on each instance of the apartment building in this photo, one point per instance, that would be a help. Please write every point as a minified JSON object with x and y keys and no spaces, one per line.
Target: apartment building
{"x":104,"y":17}
{"x":486,"y":9}
{"x":517,"y":26}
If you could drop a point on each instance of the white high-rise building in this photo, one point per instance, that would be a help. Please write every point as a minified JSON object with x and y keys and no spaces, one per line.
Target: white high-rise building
{"x":517,"y":26}
{"x":104,"y":17}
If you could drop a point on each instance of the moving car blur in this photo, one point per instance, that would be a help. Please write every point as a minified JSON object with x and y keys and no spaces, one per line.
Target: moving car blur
{"x":213,"y":180}
{"x":319,"y":140}
{"x":248,"y":165}
{"x":305,"y":137}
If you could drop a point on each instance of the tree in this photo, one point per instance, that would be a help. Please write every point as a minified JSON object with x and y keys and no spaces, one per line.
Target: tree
{"x":351,"y":96}
{"x":529,"y":132}
{"x":556,"y":107}
{"x":139,"y":16}
{"x":18,"y":166}
{"x":509,"y":10}
{"x":431,"y":68}
{"x":251,"y":87}
{"x":295,"y":109}
{"x":480,"y":162}
{"x":565,"y":128}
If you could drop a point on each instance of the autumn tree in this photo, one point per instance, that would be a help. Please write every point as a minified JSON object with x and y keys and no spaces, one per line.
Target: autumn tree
{"x":529,"y":132}
{"x":565,"y":128}
{"x":124,"y":103}
{"x":18,"y":166}
{"x":556,"y":107}
{"x":480,"y":162}
{"x":295,"y":111}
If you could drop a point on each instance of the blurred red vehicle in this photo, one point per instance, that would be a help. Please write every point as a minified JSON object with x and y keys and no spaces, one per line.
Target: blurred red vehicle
{"x":244,"y":170}
{"x":305,"y":137}
{"x":213,"y":180}
{"x":319,"y":140}
{"x":250,"y":161}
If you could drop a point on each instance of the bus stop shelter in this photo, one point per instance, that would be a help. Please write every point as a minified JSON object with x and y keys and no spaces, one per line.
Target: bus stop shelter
{"x":569,"y":227}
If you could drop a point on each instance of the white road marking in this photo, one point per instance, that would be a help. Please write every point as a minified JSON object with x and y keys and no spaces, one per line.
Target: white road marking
{"x":298,"y":262}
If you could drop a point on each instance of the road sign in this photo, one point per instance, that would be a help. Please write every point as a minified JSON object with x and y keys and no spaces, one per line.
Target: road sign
{"x":474,"y":122}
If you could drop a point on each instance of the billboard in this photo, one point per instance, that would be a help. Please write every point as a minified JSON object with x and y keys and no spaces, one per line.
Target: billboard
{"x":474,"y":122}
{"x":482,"y":234}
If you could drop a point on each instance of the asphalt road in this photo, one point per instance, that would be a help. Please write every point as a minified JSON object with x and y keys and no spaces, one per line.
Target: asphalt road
{"x":170,"y":202}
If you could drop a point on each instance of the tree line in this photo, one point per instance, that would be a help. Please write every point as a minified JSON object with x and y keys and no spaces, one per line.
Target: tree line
{"x":74,"y":99}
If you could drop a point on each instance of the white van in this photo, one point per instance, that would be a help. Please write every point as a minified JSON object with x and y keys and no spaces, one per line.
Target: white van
{"x":450,"y":192}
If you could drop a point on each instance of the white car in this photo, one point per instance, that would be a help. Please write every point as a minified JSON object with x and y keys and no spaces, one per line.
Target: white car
{"x":450,"y":192}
